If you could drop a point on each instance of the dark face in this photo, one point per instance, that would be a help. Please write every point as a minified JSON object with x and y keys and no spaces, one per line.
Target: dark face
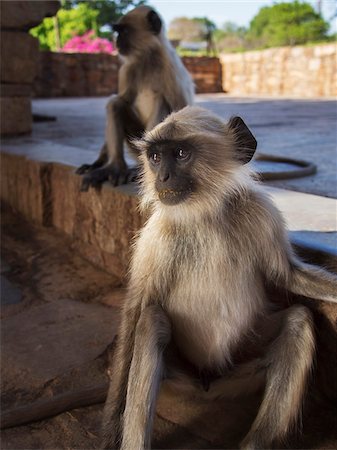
{"x":127,"y":32}
{"x":172,"y":161}
{"x":124,"y":37}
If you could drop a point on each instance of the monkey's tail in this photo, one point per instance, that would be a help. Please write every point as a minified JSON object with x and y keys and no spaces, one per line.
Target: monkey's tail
{"x":313,"y":281}
{"x":50,"y":407}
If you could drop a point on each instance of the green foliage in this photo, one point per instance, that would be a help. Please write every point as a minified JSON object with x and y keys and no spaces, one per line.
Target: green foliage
{"x":76,"y":17}
{"x":290,"y":23}
{"x":109,"y":11}
{"x":71,"y":22}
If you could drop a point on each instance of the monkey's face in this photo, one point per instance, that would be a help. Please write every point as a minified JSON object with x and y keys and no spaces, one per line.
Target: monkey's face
{"x":192,"y":159}
{"x":171,"y":162}
{"x":136,"y":30}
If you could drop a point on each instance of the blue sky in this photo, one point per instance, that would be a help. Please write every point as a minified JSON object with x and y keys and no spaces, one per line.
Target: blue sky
{"x":220,"y":11}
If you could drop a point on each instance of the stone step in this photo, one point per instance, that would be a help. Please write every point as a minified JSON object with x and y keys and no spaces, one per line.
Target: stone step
{"x":101,"y":224}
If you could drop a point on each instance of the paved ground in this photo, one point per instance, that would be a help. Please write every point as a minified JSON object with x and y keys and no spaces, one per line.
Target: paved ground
{"x":56,"y":338}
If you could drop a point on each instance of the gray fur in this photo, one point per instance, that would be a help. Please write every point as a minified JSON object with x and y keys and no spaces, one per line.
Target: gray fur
{"x":152,"y":83}
{"x":204,"y":262}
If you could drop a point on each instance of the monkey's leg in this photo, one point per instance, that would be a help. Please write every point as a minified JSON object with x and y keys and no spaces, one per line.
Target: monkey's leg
{"x":288,"y":362}
{"x":153,"y":333}
{"x":100,"y":161}
{"x":121,"y":123}
{"x":119,"y":370}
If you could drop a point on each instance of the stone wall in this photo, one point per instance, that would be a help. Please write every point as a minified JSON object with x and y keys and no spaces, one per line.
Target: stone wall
{"x":288,"y":71}
{"x":80,"y":74}
{"x":19,"y":56}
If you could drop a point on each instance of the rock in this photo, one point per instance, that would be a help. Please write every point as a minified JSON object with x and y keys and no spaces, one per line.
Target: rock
{"x":101,"y":224}
{"x":16,"y":115}
{"x":19,"y":66}
{"x":288,"y":71}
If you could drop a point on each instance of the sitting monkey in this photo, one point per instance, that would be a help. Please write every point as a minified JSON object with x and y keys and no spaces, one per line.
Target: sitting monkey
{"x":152,"y":83}
{"x":198,"y":291}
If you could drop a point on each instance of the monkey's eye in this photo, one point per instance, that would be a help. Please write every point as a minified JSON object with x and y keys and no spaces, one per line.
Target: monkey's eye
{"x":154,"y":158}
{"x":182,"y":154}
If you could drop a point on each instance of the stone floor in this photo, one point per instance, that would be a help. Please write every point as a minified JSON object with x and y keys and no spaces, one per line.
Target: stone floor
{"x":303,"y":129}
{"x":57,"y":327}
{"x":56,"y":338}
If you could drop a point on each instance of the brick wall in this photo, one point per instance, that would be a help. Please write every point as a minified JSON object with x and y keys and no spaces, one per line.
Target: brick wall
{"x":289,"y":71}
{"x":79,"y":74}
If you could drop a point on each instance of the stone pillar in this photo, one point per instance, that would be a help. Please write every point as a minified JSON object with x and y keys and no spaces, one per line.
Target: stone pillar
{"x":19,"y":60}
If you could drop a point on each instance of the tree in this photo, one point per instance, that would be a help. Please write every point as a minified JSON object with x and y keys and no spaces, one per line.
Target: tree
{"x":77,"y":17}
{"x":76,"y":21}
{"x":231,"y":37}
{"x":192,"y":30}
{"x":109,"y":11}
{"x":290,"y":23}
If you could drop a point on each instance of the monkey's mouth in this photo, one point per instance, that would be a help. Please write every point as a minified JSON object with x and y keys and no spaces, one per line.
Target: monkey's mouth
{"x":173,"y":197}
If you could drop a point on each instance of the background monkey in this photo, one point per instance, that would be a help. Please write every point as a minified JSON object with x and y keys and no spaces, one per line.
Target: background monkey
{"x":152,"y":83}
{"x":198,"y":286}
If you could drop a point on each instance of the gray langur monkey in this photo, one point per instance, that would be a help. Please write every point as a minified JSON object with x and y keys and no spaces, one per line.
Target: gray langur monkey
{"x":198,"y":293}
{"x":152,"y":83}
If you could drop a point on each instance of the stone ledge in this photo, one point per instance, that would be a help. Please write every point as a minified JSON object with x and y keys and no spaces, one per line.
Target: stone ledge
{"x":101,"y":223}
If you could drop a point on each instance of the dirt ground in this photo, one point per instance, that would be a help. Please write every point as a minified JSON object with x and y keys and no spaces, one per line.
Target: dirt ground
{"x":58,"y":322}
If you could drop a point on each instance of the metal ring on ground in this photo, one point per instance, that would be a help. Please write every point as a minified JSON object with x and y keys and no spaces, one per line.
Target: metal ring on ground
{"x":305,"y":168}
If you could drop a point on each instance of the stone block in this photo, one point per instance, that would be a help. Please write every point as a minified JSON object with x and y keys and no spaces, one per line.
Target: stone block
{"x":25,"y":14}
{"x":101,"y":224}
{"x":21,"y":186}
{"x":16,"y":90}
{"x":16,"y":115}
{"x":19,"y":54}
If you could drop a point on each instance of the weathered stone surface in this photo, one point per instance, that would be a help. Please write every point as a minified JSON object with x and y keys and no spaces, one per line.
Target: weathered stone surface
{"x":25,"y":14}
{"x":77,"y":74}
{"x":21,"y":186}
{"x":16,"y":90}
{"x":291,"y":71}
{"x":19,"y":53}
{"x":101,"y":223}
{"x":16,"y":115}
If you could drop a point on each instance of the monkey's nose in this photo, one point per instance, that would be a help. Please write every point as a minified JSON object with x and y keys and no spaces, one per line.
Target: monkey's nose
{"x":164,"y":176}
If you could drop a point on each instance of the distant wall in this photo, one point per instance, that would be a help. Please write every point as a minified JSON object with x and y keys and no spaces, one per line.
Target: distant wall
{"x":288,"y":71}
{"x":80,"y":74}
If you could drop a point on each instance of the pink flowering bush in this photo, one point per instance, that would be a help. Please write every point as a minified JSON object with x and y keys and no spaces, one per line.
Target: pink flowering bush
{"x":88,"y":43}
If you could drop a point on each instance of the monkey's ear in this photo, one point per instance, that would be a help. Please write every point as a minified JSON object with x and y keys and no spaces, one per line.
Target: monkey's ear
{"x":245,"y":141}
{"x":154,"y":22}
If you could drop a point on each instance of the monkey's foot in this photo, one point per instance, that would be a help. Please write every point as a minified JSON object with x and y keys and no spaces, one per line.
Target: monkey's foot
{"x":86,"y":168}
{"x":95,"y":178}
{"x":83,"y":169}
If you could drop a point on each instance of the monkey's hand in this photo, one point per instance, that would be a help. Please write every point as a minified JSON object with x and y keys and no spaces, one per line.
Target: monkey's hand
{"x":116,"y":176}
{"x":85,"y":168}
